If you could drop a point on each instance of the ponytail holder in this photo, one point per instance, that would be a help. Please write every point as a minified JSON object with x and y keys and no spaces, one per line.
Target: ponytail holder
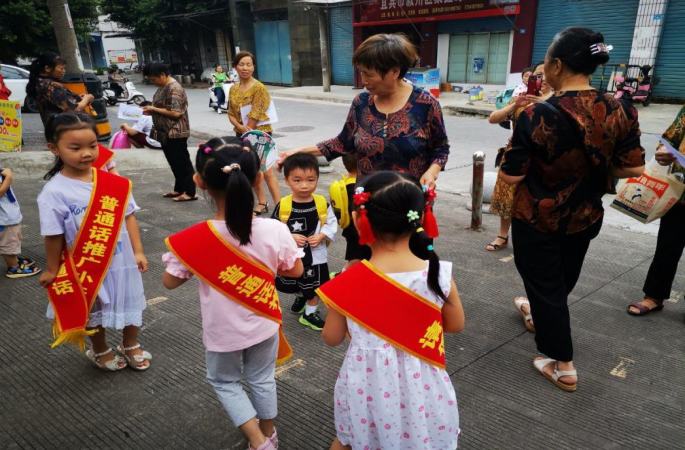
{"x":419,"y":229}
{"x":600,"y":48}
{"x":430,"y":248}
{"x":429,"y":222}
{"x":246,"y":148}
{"x":366,"y":235}
{"x":231,"y":167}
{"x":207,"y":150}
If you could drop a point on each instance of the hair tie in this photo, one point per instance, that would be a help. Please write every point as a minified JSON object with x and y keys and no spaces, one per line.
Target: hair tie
{"x":419,"y":229}
{"x":430,"y":248}
{"x":231,"y":167}
{"x":600,"y":48}
{"x":412,"y":216}
{"x":207,"y":150}
{"x":366,"y":235}
{"x":246,"y":148}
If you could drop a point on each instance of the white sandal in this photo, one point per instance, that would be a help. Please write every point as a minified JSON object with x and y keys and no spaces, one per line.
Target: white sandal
{"x":527,"y":318}
{"x":554,"y":378}
{"x":137,"y":359}
{"x":112,"y":365}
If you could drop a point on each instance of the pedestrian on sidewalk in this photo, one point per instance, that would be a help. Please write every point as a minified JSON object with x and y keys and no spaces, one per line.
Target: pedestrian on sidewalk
{"x":671,"y":241}
{"x":503,"y":194}
{"x":116,"y":293}
{"x":10,"y":231}
{"x":394,"y":125}
{"x":566,"y":153}
{"x":251,"y":93}
{"x":240,"y":311}
{"x":393,"y":391}
{"x":171,"y":128}
{"x":45,"y":86}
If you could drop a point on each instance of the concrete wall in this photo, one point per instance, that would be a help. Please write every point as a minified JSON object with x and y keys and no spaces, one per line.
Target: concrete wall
{"x":305,"y":45}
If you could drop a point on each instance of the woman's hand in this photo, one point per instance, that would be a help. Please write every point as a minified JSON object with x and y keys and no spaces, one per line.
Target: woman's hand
{"x":47,"y":278}
{"x":663,"y":157}
{"x":88,"y":98}
{"x":141,"y":260}
{"x":283,"y":156}
{"x":149,"y":109}
{"x":431,"y":176}
{"x":522,"y":100}
{"x":243,"y":129}
{"x":535,"y":98}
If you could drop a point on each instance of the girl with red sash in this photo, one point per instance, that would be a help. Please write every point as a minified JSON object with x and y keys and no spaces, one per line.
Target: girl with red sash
{"x":92,"y":214}
{"x":236,"y":257}
{"x":393,"y":390}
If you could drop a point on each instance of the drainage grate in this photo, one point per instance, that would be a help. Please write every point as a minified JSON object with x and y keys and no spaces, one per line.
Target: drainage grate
{"x":295,"y":129}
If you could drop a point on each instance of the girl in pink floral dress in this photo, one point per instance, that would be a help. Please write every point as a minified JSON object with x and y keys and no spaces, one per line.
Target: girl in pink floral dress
{"x":386,"y":398}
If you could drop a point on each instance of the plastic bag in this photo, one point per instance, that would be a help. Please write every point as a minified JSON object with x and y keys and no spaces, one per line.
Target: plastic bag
{"x":649,"y":196}
{"x":120,"y":141}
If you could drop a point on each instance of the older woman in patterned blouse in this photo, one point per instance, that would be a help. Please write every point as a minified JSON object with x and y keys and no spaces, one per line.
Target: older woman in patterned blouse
{"x":671,"y":240}
{"x":393,"y":126}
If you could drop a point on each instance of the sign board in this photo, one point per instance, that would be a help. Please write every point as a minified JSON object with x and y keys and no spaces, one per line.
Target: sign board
{"x":10,"y":126}
{"x":122,"y":56}
{"x":66,"y":10}
{"x":383,"y":10}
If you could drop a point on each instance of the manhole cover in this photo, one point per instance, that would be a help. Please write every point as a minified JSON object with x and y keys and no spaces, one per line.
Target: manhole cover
{"x":295,"y":129}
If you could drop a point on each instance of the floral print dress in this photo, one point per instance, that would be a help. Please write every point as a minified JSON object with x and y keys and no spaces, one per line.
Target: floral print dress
{"x":388,"y":399}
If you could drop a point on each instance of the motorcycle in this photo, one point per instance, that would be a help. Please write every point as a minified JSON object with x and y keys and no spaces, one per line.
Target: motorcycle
{"x":130,"y":94}
{"x":636,"y":89}
{"x":232,"y":79}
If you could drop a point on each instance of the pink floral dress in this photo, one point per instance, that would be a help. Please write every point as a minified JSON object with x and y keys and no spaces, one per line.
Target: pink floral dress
{"x":388,"y":399}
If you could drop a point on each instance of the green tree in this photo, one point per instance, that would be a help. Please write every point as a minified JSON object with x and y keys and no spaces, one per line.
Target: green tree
{"x":26,"y":28}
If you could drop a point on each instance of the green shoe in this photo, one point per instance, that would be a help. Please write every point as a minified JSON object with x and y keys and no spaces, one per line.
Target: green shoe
{"x":298,"y":305}
{"x":312,"y":321}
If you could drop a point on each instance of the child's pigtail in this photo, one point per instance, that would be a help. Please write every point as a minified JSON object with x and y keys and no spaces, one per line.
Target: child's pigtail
{"x":421,"y":245}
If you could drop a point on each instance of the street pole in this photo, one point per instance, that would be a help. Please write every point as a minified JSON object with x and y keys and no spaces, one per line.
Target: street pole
{"x":477,"y":192}
{"x":64,"y":32}
{"x":325,"y":60}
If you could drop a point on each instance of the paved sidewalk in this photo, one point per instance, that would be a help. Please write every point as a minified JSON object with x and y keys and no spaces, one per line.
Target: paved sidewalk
{"x":631,"y":390}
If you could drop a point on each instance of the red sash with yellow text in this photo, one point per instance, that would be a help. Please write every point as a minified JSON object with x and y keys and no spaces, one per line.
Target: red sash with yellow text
{"x":103,"y":158}
{"x":231,"y":272}
{"x":83,"y":268}
{"x":398,"y":315}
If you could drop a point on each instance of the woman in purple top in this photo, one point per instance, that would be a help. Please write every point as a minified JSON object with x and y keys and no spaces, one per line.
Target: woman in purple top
{"x":393,"y":126}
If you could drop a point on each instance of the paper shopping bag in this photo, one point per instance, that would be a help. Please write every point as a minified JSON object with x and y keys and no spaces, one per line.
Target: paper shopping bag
{"x":649,"y":196}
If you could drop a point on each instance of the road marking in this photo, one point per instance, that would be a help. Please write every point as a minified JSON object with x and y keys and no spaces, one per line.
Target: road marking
{"x":620,"y":370}
{"x":154,"y":301}
{"x":507,"y":258}
{"x":280,"y":370}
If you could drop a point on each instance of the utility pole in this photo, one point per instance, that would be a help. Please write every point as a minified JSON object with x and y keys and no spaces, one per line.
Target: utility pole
{"x":64,"y":32}
{"x":325,"y":60}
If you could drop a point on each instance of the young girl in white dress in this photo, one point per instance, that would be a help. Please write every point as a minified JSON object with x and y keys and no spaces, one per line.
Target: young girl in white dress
{"x":62,"y":203}
{"x":384,"y":397}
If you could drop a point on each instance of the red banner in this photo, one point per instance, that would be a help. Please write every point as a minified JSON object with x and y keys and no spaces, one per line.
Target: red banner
{"x":377,"y":11}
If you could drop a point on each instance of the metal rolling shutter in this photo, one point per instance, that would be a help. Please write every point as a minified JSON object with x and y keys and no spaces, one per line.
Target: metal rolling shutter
{"x":670,"y":63}
{"x":615,"y":19}
{"x":342,"y":45}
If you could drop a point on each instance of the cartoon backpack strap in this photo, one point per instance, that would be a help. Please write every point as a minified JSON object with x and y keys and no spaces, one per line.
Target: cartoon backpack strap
{"x":285,"y":208}
{"x":321,"y":208}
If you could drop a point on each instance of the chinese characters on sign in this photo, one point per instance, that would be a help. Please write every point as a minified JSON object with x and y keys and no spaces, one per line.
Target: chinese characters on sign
{"x":375,"y":10}
{"x":10,"y":126}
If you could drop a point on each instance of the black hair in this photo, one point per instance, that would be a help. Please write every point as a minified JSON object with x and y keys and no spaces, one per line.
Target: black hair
{"x":572,"y":47}
{"x":393,"y":195}
{"x":59,"y":124}
{"x":112,"y":70}
{"x":241,"y":55}
{"x":300,"y":161}
{"x":541,"y":63}
{"x":217,"y":65}
{"x":236,"y":185}
{"x":384,"y":52}
{"x":156,"y":69}
{"x":145,"y":103}
{"x":350,"y":162}
{"x":528,"y":69}
{"x":48,"y":59}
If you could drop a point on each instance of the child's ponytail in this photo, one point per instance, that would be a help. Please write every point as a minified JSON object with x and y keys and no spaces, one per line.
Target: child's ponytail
{"x":422,"y":246}
{"x":229,"y":168}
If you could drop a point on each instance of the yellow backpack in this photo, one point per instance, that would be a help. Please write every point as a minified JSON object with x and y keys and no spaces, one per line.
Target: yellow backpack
{"x":286,"y":208}
{"x":339,"y":200}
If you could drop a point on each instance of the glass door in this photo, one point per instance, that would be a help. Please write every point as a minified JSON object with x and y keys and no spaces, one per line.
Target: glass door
{"x":498,"y":58}
{"x":477,"y":66}
{"x":458,"y":54}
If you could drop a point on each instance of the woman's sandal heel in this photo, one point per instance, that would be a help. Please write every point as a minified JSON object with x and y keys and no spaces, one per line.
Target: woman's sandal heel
{"x":134,"y":362}
{"x":492,"y":247}
{"x":644,"y":310}
{"x":556,"y":374}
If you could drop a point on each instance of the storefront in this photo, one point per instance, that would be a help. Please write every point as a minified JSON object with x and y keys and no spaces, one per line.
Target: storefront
{"x":470,"y":41}
{"x":342,"y":48}
{"x":670,"y":60}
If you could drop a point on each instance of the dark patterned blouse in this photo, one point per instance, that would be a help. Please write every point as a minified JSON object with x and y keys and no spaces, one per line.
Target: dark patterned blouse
{"x":172,"y":97}
{"x":53,"y":98}
{"x":409,"y":140}
{"x":567,"y":164}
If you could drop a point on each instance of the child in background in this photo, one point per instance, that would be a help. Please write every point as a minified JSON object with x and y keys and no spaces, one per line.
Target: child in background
{"x":10,"y":231}
{"x":63,"y":204}
{"x":523,"y":87}
{"x":312,"y":224}
{"x":233,"y":326}
{"x":393,"y":392}
{"x":139,"y":134}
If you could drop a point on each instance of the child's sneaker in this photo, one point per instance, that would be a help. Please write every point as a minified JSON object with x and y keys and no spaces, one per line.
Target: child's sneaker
{"x":21,"y":272}
{"x":298,"y":305}
{"x":313,"y":321}
{"x":267,"y":445}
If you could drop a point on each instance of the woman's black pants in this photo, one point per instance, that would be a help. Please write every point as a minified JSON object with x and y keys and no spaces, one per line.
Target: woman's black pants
{"x":669,"y":249}
{"x":550,"y":264}
{"x":176,"y":153}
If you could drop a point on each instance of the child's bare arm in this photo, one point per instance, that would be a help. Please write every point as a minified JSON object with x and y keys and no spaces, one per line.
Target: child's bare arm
{"x":53,"y":251}
{"x":453,"y":312}
{"x":6,"y":182}
{"x":335,"y":329}
{"x":136,"y":243}
{"x":171,"y":282}
{"x":294,"y":272}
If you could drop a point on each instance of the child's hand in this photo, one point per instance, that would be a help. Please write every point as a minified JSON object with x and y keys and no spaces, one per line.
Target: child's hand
{"x":316,"y":240}
{"x":300,"y":240}
{"x":47,"y":278}
{"x":141,"y":260}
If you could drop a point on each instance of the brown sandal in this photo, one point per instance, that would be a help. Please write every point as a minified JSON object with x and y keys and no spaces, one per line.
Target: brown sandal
{"x":492,"y":247}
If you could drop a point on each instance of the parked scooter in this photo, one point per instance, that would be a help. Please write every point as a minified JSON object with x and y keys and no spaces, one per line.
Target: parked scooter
{"x":130,"y":94}
{"x":232,"y":78}
{"x":636,"y":89}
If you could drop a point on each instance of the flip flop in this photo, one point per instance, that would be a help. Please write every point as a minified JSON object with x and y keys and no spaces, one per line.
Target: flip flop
{"x":181,"y":200}
{"x":643,"y":310}
{"x":527,"y":318}
{"x":554,"y":378}
{"x":171,"y":195}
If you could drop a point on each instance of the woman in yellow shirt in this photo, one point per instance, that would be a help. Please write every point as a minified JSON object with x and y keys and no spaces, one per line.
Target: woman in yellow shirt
{"x":251,"y":92}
